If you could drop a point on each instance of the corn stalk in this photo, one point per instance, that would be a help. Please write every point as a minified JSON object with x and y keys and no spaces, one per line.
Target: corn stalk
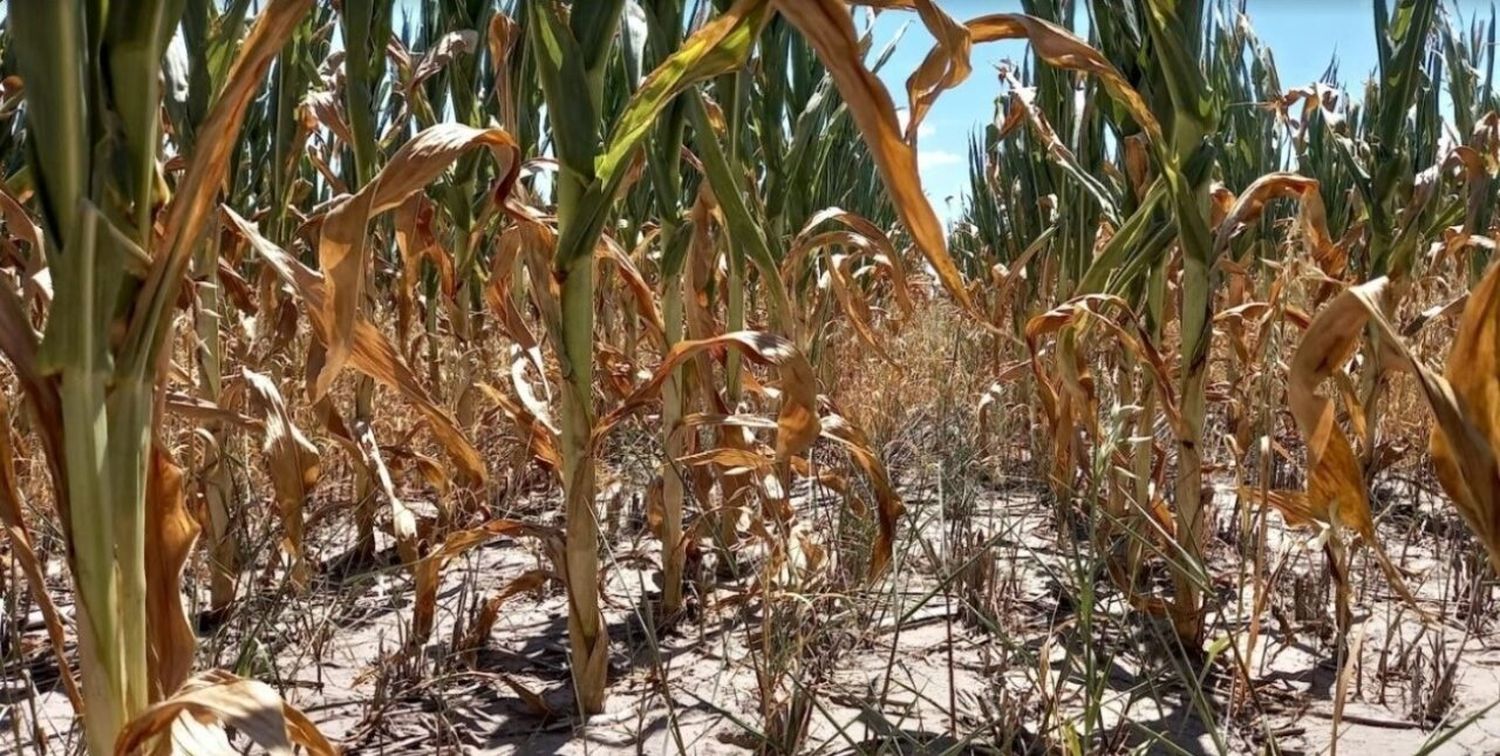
{"x":93,"y":79}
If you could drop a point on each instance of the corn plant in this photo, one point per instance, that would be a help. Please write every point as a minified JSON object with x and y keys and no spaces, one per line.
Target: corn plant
{"x":94,"y":94}
{"x":655,"y":235}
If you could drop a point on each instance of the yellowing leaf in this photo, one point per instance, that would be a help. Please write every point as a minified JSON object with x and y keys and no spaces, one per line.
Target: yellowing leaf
{"x":343,"y":255}
{"x":170,"y":533}
{"x":194,"y":718}
{"x":828,"y":27}
{"x":370,"y":352}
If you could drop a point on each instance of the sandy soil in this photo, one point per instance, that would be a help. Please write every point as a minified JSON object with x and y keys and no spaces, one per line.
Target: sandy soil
{"x":915,"y":664}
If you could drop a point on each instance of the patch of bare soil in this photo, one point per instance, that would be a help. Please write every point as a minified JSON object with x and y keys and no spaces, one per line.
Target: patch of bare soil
{"x":994,"y":632}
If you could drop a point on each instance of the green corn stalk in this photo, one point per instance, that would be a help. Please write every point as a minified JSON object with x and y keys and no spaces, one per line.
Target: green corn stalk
{"x":664,"y":22}
{"x":93,"y":106}
{"x":96,"y":194}
{"x":1471,"y":68}
{"x":1393,"y":148}
{"x":1174,"y":31}
{"x":572,"y":54}
{"x":366,"y":27}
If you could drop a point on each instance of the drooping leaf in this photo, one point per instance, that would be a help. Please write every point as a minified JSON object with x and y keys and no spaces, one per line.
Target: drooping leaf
{"x":829,"y":28}
{"x":797,"y":421}
{"x":343,"y":255}
{"x":369,"y":351}
{"x":292,"y":462}
{"x":170,"y":533}
{"x":194,"y":718}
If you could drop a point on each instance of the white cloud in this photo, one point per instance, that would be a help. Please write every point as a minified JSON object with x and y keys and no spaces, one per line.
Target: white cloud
{"x":926,"y":129}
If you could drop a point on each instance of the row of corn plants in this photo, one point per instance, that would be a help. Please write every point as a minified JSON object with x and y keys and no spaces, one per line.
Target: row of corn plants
{"x":649,"y":212}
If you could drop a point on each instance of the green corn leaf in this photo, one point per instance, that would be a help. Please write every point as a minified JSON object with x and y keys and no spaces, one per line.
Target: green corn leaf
{"x":565,"y":81}
{"x":720,"y":46}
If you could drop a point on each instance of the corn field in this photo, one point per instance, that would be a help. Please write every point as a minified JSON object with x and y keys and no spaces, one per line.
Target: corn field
{"x":596,"y":376}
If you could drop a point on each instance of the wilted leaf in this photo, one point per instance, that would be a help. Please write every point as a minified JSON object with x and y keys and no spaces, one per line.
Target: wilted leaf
{"x":370,"y":352}
{"x":484,"y":623}
{"x":876,"y":240}
{"x":442,"y":52}
{"x":945,"y":67}
{"x":1061,"y":48}
{"x":427,"y":570}
{"x":170,"y":533}
{"x":195,"y":716}
{"x":1467,"y":435}
{"x":198,"y":190}
{"x":343,"y":256}
{"x":797,"y":422}
{"x":501,"y":39}
{"x":541,"y":437}
{"x":888,"y":504}
{"x":828,"y":27}
{"x":1335,"y":481}
{"x":1247,"y":208}
{"x":292,"y":462}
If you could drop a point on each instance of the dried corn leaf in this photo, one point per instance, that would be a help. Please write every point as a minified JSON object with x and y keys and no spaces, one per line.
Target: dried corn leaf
{"x":642,"y":292}
{"x":170,"y":534}
{"x":527,"y":582}
{"x":327,"y":108}
{"x":1130,"y":334}
{"x":1058,"y":47}
{"x":839,"y":277}
{"x":370,"y":352}
{"x":343,"y":255}
{"x":1467,"y":406}
{"x":501,"y":38}
{"x":508,"y":249}
{"x":797,"y":421}
{"x":291,"y":461}
{"x":24,"y":551}
{"x":194,"y":718}
{"x":442,"y":52}
{"x":945,"y":67}
{"x":1335,"y":481}
{"x":196,"y":193}
{"x":427,"y":569}
{"x":1332,"y":258}
{"x":541,"y":437}
{"x":416,"y":242}
{"x":1463,"y":445}
{"x":829,"y":28}
{"x":875,"y":239}
{"x":889,"y":507}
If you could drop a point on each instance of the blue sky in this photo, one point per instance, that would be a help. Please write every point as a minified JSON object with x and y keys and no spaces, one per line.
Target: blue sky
{"x":1303,"y":37}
